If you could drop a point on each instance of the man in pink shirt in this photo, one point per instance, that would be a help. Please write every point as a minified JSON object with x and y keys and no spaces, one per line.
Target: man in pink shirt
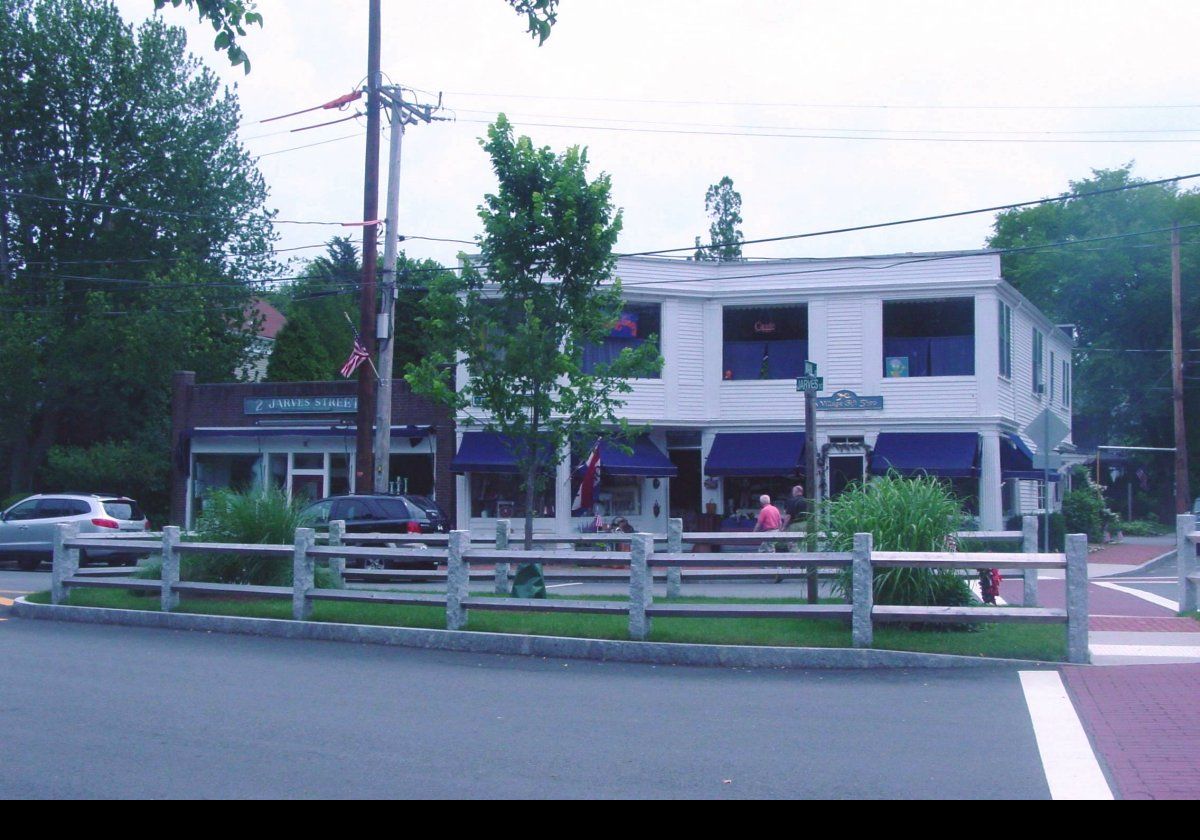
{"x":768,"y":520}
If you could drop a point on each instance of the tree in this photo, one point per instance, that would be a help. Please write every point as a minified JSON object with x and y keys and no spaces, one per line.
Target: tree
{"x":134,"y":228}
{"x":1117,"y":291}
{"x":324,"y":295}
{"x":520,"y":316}
{"x":230,"y":17}
{"x":227,"y":18}
{"x":723,"y":204}
{"x":298,"y":355}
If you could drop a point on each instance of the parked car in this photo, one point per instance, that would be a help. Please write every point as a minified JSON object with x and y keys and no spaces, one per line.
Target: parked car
{"x":382,"y":514}
{"x":27,"y":528}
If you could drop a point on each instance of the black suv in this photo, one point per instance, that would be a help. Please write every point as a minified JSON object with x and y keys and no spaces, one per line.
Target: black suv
{"x":381,"y":514}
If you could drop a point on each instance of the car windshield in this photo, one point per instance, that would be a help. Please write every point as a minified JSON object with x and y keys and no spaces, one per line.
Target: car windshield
{"x":123,"y":509}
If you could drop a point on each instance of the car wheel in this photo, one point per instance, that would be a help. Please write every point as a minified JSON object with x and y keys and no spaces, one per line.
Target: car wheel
{"x":29,"y":562}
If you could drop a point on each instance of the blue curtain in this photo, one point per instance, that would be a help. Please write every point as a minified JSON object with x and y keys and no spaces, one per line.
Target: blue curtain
{"x":786,"y":360}
{"x":916,"y":349}
{"x":606,"y":352}
{"x":952,"y":355}
{"x":743,"y":359}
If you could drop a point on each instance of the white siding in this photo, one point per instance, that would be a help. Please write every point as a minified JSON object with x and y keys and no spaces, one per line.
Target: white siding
{"x":844,"y":349}
{"x":930,"y":397}
{"x":688,"y":364}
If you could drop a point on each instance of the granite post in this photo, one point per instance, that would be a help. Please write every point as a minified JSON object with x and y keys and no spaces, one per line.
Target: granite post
{"x":1077,"y":599}
{"x":674,"y":546}
{"x":862,"y":592}
{"x":337,"y":565}
{"x":169,"y":598}
{"x":65,"y":562}
{"x":1029,"y":545}
{"x":458,"y":575}
{"x":302,"y":574}
{"x":503,"y":527}
{"x":1185,"y":525}
{"x":641,"y":592}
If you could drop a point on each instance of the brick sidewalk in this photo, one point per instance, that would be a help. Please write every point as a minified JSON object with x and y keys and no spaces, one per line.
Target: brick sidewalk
{"x":1144,"y":721}
{"x":1127,"y":554}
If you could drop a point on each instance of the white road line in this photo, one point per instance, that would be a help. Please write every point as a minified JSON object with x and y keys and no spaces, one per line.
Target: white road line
{"x":1150,"y":597}
{"x":557,"y":585}
{"x":1072,"y":771}
{"x":1148,"y":651}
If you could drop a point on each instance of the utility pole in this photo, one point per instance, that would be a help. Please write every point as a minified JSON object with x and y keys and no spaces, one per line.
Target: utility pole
{"x":1183,"y":495}
{"x":402,"y":114}
{"x":363,"y":466}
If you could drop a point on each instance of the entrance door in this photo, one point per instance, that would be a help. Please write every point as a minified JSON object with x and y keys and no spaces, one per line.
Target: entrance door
{"x":844,"y":470}
{"x":685,"y":495}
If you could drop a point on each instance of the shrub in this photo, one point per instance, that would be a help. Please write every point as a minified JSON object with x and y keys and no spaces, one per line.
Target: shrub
{"x":135,"y":468}
{"x":901,"y":514}
{"x":1085,"y":511}
{"x":261,"y":516}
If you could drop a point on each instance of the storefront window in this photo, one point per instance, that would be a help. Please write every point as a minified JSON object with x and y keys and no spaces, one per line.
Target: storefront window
{"x":619,"y":495}
{"x":928,"y":338}
{"x":339,"y":475}
{"x":499,"y":496}
{"x":742,"y":494}
{"x":764,"y":342}
{"x":639,"y":323}
{"x":213,"y":471}
{"x":277,"y":469}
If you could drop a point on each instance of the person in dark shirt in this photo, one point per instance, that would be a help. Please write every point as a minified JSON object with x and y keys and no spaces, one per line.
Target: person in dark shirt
{"x":794,"y":509}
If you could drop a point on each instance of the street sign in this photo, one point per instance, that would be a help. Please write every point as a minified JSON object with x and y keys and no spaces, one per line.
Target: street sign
{"x":810,"y":383}
{"x":1047,"y":431}
{"x":810,"y":368}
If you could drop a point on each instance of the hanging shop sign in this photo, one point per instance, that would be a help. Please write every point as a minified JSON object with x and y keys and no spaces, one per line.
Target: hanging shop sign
{"x":846,"y":400}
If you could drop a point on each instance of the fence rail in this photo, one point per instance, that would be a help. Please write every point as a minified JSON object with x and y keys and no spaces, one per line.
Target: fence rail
{"x":642,"y":562}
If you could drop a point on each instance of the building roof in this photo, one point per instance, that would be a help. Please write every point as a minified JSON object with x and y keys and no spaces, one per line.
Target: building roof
{"x":272,"y":319}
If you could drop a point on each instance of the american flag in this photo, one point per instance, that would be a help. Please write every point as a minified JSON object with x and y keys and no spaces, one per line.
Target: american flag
{"x":357,"y":356}
{"x":586,"y":497}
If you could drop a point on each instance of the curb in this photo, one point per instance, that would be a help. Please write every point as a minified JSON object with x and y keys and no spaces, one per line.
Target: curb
{"x":466,"y":641}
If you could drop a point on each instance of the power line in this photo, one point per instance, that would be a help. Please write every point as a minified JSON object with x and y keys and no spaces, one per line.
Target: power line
{"x":765,"y":128}
{"x":826,"y":106}
{"x":957,"y":214}
{"x":815,"y":136}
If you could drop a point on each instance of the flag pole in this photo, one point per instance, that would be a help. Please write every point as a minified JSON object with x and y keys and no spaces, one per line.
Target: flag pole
{"x":358,"y":338}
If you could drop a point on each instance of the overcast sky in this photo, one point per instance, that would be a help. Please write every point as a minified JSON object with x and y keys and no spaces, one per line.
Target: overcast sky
{"x":907,"y":97}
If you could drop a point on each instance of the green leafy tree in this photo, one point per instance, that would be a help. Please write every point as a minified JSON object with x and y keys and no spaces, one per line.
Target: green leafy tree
{"x":326,"y":296}
{"x":134,"y":228}
{"x":723,"y":204}
{"x":298,"y":355}
{"x":1117,"y":291}
{"x":230,"y":17}
{"x":520,"y":317}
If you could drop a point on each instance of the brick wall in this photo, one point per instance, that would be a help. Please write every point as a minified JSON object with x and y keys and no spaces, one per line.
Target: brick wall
{"x":222,"y":404}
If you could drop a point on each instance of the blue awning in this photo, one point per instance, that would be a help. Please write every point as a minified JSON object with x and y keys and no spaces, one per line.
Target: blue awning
{"x":756,"y":454}
{"x":944,"y":454}
{"x":302,"y":431}
{"x":1016,"y":461}
{"x":488,"y":452}
{"x":645,"y":459}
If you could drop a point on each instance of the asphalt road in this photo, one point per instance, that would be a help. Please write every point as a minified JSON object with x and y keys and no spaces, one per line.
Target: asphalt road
{"x":93,"y":711}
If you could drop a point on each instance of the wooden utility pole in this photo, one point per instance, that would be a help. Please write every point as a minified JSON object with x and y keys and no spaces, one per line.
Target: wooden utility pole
{"x":383,"y":410}
{"x":363,"y":455}
{"x":1183,"y":496}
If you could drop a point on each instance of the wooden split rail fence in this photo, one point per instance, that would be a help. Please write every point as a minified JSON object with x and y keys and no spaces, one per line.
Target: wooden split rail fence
{"x":642,"y":560}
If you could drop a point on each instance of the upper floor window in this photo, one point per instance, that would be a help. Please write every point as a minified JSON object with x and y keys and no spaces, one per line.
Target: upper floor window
{"x":929,"y":337}
{"x":1053,"y":373}
{"x":639,"y":323}
{"x":1066,"y":383}
{"x":1039,"y":373}
{"x":764,"y":342}
{"x":1005,"y":340}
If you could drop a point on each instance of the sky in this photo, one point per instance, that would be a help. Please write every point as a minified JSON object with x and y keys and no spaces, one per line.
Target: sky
{"x":824,"y":114}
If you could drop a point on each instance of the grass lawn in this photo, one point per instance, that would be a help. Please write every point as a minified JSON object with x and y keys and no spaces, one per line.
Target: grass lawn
{"x":1021,"y":641}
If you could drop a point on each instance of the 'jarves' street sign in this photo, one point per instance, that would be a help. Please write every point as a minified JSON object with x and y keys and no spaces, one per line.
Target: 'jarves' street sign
{"x":300,"y":405}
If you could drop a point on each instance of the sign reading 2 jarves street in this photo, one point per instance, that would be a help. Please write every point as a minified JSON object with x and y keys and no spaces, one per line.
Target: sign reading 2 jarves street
{"x":301,"y":405}
{"x":847,"y":400}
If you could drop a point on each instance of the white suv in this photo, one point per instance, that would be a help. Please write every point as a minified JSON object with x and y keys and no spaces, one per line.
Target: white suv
{"x":27,"y":528}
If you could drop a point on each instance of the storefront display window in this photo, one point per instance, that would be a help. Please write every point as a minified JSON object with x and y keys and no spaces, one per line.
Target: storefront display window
{"x":499,"y":496}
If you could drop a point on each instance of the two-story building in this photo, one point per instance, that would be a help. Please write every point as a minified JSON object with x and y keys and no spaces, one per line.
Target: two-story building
{"x":931,"y":363}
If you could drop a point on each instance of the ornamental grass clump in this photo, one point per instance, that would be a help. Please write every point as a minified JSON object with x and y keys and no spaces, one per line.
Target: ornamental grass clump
{"x":263,"y":517}
{"x":901,"y":514}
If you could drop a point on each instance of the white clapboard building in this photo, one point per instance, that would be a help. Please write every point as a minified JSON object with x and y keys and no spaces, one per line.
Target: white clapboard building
{"x":931,"y":363}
